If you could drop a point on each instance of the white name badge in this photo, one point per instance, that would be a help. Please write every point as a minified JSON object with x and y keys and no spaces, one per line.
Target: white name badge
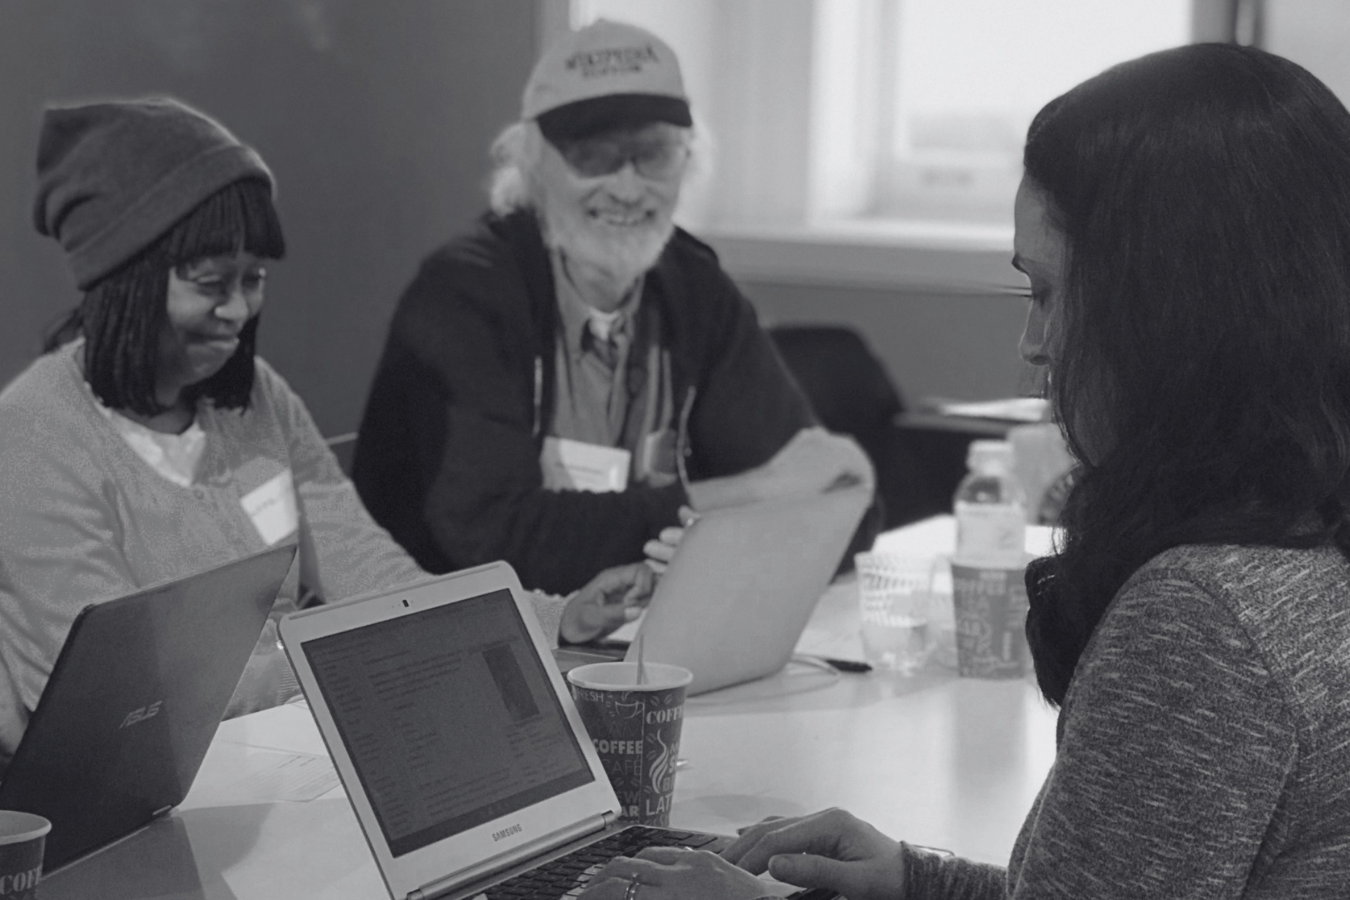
{"x":271,"y":506}
{"x":569,"y":465}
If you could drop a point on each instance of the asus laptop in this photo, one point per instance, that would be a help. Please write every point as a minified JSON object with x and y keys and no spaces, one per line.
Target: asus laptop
{"x":133,"y":702}
{"x":734,"y":601}
{"x":458,"y":743}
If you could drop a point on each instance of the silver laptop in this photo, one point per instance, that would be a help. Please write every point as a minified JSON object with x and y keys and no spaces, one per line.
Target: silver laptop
{"x":744,"y":581}
{"x":461,"y":751}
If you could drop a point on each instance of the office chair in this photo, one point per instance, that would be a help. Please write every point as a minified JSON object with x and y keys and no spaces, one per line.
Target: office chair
{"x":853,"y":394}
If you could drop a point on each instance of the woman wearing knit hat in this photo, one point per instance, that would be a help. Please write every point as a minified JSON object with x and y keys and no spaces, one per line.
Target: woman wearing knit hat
{"x":149,"y":442}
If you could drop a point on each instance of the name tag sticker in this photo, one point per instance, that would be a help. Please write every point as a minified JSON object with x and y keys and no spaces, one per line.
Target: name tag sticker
{"x":272,"y":507}
{"x":569,"y":465}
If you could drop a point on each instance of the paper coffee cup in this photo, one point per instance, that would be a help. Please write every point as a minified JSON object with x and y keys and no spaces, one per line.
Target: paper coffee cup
{"x":636,"y":731}
{"x":991,"y":616}
{"x":23,"y":837}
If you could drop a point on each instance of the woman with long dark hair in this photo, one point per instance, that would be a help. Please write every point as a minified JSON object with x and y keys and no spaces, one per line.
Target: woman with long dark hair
{"x":1184,"y":222}
{"x":149,"y":441}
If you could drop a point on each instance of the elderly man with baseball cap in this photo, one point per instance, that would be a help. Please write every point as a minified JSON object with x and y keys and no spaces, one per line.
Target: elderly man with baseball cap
{"x":558,"y":383}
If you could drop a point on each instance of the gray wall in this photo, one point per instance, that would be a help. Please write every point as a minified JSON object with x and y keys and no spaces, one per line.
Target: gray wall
{"x":374,"y":115}
{"x":959,"y":346}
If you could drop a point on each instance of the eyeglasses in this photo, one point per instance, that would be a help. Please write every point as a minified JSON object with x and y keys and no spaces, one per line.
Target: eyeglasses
{"x":220,"y":284}
{"x":658,"y":158}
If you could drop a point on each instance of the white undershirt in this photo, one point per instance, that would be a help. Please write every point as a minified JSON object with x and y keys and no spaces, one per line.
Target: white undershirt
{"x":173,"y":456}
{"x":602,"y":323}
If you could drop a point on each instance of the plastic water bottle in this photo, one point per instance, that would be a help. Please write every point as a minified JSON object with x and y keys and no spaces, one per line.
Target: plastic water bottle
{"x":987,"y":571}
{"x":991,"y":508}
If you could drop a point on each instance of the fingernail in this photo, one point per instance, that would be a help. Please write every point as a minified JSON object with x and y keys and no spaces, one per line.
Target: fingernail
{"x":630,"y":613}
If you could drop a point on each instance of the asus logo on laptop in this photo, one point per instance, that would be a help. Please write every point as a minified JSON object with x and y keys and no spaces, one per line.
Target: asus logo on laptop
{"x":506,"y":832}
{"x":141,"y":714}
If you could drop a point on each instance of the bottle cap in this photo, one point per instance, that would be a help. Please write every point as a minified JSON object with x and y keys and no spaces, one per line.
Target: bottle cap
{"x":984,"y":454}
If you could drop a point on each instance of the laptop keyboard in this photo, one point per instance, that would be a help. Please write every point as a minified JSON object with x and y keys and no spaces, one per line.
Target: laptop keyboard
{"x":567,"y":875}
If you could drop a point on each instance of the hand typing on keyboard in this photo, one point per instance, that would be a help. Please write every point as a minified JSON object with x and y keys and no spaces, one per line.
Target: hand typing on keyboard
{"x":673,"y":873}
{"x":830,"y":853}
{"x":568,"y":875}
{"x":829,"y":850}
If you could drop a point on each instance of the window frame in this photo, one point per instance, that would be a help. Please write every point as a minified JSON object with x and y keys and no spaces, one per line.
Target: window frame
{"x":791,"y":236}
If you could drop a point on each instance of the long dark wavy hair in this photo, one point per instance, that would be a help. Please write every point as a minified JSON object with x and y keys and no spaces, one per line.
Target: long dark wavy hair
{"x":121,"y":316}
{"x":1204,"y":197}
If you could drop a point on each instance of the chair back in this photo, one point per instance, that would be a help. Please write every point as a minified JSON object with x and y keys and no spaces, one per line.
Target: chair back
{"x":852,"y":393}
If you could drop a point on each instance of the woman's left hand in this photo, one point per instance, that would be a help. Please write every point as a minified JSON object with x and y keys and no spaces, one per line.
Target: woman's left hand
{"x":673,"y":873}
{"x":608,"y":600}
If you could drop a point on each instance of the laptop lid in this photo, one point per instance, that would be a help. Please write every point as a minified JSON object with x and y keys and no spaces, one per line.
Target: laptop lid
{"x":743,"y":583}
{"x":450,"y":726}
{"x":133,"y":702}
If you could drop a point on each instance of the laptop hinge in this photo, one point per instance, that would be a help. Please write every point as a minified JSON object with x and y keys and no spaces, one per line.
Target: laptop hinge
{"x":515,"y":856}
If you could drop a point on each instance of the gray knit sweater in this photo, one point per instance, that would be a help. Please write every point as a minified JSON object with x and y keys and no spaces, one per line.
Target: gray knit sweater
{"x":1204,"y":744}
{"x":83,"y":518}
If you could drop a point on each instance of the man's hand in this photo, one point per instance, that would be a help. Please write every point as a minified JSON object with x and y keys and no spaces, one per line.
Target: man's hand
{"x":673,"y":873}
{"x":608,"y":600}
{"x":811,"y":462}
{"x":830,"y":849}
{"x":661,"y":549}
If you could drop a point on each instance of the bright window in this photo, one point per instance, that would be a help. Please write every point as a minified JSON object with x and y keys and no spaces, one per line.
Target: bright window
{"x":879,"y":141}
{"x":902,"y":109}
{"x":960,"y":81}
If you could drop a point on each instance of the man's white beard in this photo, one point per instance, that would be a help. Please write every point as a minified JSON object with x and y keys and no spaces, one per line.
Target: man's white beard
{"x":626,"y":255}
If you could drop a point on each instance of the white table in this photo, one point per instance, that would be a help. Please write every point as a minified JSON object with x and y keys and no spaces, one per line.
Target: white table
{"x":933,"y":759}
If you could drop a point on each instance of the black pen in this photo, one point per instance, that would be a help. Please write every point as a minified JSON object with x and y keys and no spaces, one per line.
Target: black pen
{"x":847,"y":665}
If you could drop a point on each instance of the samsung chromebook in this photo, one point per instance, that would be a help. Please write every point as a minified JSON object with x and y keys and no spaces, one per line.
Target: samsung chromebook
{"x":133,"y":702}
{"x":734,"y":601}
{"x":461,"y":751}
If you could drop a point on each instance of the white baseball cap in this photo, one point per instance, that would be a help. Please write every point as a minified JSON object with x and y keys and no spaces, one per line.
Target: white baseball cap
{"x":606,"y":75}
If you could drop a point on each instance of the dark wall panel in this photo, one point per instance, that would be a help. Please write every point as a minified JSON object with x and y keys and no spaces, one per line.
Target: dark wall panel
{"x":374,"y":116}
{"x":954,"y":346}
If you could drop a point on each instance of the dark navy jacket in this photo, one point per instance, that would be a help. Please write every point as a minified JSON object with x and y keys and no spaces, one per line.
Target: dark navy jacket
{"x":448,"y":451}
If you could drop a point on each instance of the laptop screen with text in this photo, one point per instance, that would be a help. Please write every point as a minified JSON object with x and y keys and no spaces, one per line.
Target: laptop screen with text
{"x":448,"y":717}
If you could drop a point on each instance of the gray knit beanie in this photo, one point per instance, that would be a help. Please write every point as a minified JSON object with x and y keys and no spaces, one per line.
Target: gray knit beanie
{"x":114,"y":176}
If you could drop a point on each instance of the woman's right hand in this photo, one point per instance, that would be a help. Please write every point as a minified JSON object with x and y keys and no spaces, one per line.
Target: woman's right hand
{"x":830,"y":849}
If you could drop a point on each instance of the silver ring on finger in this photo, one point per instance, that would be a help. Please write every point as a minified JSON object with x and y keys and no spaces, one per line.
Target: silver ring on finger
{"x":631,"y":893}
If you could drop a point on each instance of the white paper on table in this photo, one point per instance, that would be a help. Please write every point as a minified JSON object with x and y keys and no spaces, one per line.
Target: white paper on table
{"x":1013,"y":409}
{"x":276,"y":775}
{"x":816,"y":642}
{"x":937,"y":537}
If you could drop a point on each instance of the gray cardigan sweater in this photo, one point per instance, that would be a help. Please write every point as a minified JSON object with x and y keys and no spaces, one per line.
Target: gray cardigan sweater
{"x":1203,"y":746}
{"x":83,"y":518}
